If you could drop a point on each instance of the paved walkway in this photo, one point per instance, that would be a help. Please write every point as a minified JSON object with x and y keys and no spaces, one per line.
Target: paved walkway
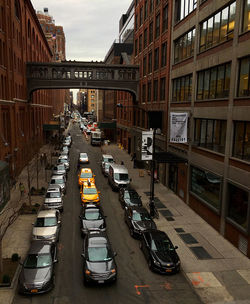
{"x":218,"y":271}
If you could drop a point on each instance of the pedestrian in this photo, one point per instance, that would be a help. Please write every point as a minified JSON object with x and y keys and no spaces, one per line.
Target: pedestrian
{"x":22,"y":189}
{"x":122,"y":163}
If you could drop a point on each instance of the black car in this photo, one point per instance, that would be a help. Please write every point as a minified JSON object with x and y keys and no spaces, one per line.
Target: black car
{"x":159,"y":252}
{"x":92,"y":218}
{"x":129,"y":197}
{"x":138,"y":219}
{"x":98,"y":259}
{"x":37,"y":274}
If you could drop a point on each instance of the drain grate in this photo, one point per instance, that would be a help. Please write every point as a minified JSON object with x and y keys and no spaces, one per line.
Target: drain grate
{"x":200,"y":253}
{"x":159,"y":204}
{"x":179,"y":230}
{"x":166,"y":213}
{"x":170,"y":219}
{"x":188,"y":238}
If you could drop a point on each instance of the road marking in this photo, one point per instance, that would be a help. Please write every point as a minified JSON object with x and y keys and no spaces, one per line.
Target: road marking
{"x":140,"y":286}
{"x":203,"y":279}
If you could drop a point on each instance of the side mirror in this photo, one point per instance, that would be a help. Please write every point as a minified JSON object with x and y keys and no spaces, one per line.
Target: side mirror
{"x":115,"y":253}
{"x":59,"y":222}
{"x":83,"y":255}
{"x":80,"y":217}
{"x":55,"y":261}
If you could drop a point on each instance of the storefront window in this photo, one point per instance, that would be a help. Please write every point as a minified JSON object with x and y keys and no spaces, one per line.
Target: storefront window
{"x":238,"y":202}
{"x":207,"y":186}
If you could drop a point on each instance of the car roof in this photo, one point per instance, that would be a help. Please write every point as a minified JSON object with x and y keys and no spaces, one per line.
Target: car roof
{"x":83,"y":153}
{"x":107,"y":156}
{"x":120,"y":168}
{"x":86,"y":170}
{"x":59,"y":176}
{"x":55,"y":188}
{"x":138,"y":209}
{"x":97,"y":238}
{"x":39,"y":247}
{"x":46,"y":213}
{"x":157,"y":234}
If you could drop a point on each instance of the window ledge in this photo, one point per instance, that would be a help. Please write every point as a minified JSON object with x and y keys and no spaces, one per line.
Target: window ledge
{"x":209,"y":100}
{"x":180,"y":102}
{"x":175,"y":63}
{"x":236,"y":225}
{"x":240,"y":160}
{"x":214,"y":46}
{"x":241,"y":97}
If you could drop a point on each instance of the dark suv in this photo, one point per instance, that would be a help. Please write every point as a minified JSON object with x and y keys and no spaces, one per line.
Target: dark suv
{"x":98,"y":259}
{"x":37,"y":274}
{"x":129,"y":197}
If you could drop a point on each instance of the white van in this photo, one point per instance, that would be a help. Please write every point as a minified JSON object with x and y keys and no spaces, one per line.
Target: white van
{"x":118,"y":176}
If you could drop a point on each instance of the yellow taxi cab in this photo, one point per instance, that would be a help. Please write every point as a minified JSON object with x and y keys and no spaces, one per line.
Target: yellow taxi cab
{"x":89,"y":193}
{"x":85,"y":175}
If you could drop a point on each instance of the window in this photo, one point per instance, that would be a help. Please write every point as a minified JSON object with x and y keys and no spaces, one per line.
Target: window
{"x":162,"y":88}
{"x":246,"y":17}
{"x":149,"y":91}
{"x":165,"y":18}
{"x":157,"y":26}
{"x":238,"y":204}
{"x":182,"y":88}
{"x":218,"y":28}
{"x":241,"y":142}
{"x":164,"y":54}
{"x":144,"y":93}
{"x":155,"y":90}
{"x":136,"y":22}
{"x":151,"y":6}
{"x":150,"y":62}
{"x":156,"y":59}
{"x":244,"y":77}
{"x":183,"y":8}
{"x":144,"y":66}
{"x":207,"y":186}
{"x":214,"y":83}
{"x":140,"y":43}
{"x":184,"y":46}
{"x":210,"y":134}
{"x":136,"y":47}
{"x":17,"y":9}
{"x":145,"y":9}
{"x":150,"y":38}
{"x":145,"y":41}
{"x":141,"y":13}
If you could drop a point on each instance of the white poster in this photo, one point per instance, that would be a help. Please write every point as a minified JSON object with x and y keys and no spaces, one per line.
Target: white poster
{"x":147,"y":145}
{"x":178,"y":127}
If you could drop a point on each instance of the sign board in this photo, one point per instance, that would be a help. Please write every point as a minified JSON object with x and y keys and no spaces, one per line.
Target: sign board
{"x":178,"y":127}
{"x":147,"y":145}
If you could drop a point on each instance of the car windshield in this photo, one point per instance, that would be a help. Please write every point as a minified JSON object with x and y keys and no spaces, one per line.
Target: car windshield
{"x":57,"y":181}
{"x":121,"y":176}
{"x":92,"y":215}
{"x":161,"y":245}
{"x":140,"y":216}
{"x":99,"y":254}
{"x":60,"y":167}
{"x":45,"y":222}
{"x":38,"y":261}
{"x":83,"y":155}
{"x":107,"y":165}
{"x":108,"y":160}
{"x":53,"y":195}
{"x":89,"y":191}
{"x":63,"y":160}
{"x":86,"y":175}
{"x":131,"y":195}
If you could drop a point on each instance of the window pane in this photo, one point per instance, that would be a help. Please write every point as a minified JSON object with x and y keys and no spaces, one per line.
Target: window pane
{"x":247,"y":142}
{"x":237,"y":205}
{"x":210,"y":32}
{"x":238,"y":139}
{"x":174,"y":97}
{"x":182,"y":89}
{"x":231,"y":20}
{"x":203,"y":36}
{"x":187,"y":88}
{"x":220,"y":127}
{"x":206,"y":185}
{"x":203,"y":132}
{"x":216,"y":32}
{"x":209,"y":134}
{"x":220,"y":81}
{"x":206,"y":84}
{"x":227,"y":79}
{"x":244,"y":77}
{"x":224,"y":21}
{"x":197,"y":131}
{"x":200,"y":86}
{"x":212,"y":83}
{"x":246,"y":22}
{"x":178,"y":89}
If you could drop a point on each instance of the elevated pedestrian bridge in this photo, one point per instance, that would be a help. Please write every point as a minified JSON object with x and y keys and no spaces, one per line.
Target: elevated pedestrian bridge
{"x":82,"y":75}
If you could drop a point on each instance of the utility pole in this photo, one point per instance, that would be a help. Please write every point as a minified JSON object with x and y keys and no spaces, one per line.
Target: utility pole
{"x":152,"y":184}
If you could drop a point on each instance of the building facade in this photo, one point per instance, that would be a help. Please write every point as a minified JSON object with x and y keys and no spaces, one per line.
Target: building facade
{"x":209,"y":80}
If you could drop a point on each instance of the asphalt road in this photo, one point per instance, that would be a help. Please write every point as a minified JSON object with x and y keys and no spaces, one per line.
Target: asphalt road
{"x":135,"y":283}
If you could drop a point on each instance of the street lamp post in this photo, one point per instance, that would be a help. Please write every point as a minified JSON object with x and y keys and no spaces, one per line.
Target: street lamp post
{"x":152,"y":184}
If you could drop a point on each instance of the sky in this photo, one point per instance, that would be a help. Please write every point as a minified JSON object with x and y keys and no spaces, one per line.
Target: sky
{"x":90,"y":26}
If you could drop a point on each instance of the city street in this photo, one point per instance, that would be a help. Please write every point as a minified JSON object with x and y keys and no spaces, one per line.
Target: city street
{"x":135,"y":283}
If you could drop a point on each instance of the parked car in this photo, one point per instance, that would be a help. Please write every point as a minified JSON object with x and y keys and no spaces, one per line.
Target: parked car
{"x":92,"y":218}
{"x":138,"y":219}
{"x":63,"y":160}
{"x":83,"y":158}
{"x":99,"y":264}
{"x":37,"y":273}
{"x":47,"y":226}
{"x":59,"y":170}
{"x":118,"y":176}
{"x":129,"y":197}
{"x":68,"y":138}
{"x":59,"y":180}
{"x":106,"y":159}
{"x":54,"y":197}
{"x":89,"y":193}
{"x":85,"y":175}
{"x":67,"y":143}
{"x":160,"y":252}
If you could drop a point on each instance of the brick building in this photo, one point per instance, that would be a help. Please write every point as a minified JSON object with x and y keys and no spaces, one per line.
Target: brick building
{"x":21,"y":123}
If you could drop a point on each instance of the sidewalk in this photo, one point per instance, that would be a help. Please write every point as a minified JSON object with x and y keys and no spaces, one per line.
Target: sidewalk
{"x":218,"y":272}
{"x":17,"y":236}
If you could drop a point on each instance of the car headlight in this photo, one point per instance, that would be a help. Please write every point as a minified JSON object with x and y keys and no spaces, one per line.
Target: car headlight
{"x":87,"y":272}
{"x":157,"y":263}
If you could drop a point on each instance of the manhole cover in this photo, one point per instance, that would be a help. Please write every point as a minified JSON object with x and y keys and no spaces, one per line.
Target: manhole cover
{"x":166,"y":213}
{"x":188,"y":238}
{"x":200,"y":253}
{"x":179,"y":230}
